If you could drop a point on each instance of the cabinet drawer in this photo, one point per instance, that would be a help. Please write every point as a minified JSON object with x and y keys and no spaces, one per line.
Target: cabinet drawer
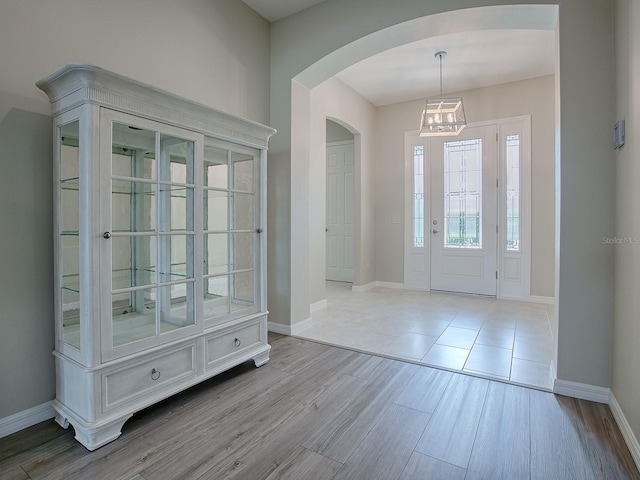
{"x":141,"y":379}
{"x":230,"y":343}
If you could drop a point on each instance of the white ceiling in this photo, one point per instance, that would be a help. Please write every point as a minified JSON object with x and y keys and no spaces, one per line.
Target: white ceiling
{"x":274,"y":10}
{"x":475,"y":59}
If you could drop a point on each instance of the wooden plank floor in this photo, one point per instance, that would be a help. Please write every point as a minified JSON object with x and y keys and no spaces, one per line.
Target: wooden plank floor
{"x":320,"y":412}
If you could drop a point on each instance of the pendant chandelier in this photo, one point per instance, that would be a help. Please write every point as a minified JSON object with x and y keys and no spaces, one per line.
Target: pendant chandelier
{"x":442,"y":116}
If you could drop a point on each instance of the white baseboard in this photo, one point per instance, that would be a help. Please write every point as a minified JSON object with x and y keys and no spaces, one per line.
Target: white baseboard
{"x":540,"y":299}
{"x":289,"y":329}
{"x":363,"y":288}
{"x":512,"y":298}
{"x":319,"y":305}
{"x":416,"y":288}
{"x":625,"y":428}
{"x":369,"y":286}
{"x":402,"y":286}
{"x":582,"y":391}
{"x":279,"y":328}
{"x":297,"y":327}
{"x":397,"y":286}
{"x":26,"y":418}
{"x":529,"y":299}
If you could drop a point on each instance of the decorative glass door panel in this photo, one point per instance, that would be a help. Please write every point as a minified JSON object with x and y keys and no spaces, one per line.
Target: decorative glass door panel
{"x":152,"y":233}
{"x":512,"y":182}
{"x":418,"y":196}
{"x":69,"y":233}
{"x":463,"y":193}
{"x":230,"y":231}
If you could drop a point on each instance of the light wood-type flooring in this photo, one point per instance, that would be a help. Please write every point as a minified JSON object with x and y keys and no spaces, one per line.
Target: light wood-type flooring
{"x":322,"y":412}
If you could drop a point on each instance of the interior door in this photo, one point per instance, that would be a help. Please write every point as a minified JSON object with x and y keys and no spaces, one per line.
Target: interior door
{"x":340,"y":222}
{"x":463,"y":226}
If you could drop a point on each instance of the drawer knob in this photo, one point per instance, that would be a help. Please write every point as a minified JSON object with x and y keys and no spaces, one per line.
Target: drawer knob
{"x":155,"y":374}
{"x":237,"y":342}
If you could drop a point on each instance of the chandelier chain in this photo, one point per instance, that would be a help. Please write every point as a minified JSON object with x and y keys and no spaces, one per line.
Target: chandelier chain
{"x":440,"y":74}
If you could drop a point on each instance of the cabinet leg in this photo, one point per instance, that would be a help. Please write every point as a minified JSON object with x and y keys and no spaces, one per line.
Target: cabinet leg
{"x":93,"y":437}
{"x":261,"y":359}
{"x":62,"y":420}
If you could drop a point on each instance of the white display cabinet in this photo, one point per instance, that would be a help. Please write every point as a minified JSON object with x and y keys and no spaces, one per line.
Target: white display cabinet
{"x":159,"y":233}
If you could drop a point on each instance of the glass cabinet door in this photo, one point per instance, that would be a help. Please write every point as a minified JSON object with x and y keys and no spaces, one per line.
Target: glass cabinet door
{"x":153,"y":233}
{"x":231,"y":242}
{"x":68,"y":215}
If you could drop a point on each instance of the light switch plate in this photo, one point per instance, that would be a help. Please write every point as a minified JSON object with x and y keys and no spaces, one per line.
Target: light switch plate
{"x":618,"y":134}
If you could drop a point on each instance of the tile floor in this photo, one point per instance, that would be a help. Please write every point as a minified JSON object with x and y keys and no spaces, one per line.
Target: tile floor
{"x":499,"y":339}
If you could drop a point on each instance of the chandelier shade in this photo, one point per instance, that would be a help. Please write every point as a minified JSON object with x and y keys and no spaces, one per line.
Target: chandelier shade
{"x":442,"y":116}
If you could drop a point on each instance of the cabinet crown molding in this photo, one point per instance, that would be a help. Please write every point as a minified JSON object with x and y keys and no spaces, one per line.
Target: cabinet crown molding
{"x":76,"y":84}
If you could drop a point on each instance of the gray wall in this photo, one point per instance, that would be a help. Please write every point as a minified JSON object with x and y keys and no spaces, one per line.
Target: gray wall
{"x":585,"y":189}
{"x":27,"y":372}
{"x":215,"y":52}
{"x":626,"y":327}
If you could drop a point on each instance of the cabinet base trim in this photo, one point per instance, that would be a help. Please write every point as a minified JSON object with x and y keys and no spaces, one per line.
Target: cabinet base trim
{"x":107,"y":427}
{"x":91,"y":435}
{"x":261,"y":359}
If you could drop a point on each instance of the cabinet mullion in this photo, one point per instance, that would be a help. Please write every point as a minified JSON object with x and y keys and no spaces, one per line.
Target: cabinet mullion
{"x":230,"y":226}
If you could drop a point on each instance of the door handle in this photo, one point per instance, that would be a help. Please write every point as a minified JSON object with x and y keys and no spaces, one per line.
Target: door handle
{"x":434,"y":231}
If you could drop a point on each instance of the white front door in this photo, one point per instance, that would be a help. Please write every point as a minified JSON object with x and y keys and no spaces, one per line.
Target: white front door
{"x":340,"y":219}
{"x":463,"y":218}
